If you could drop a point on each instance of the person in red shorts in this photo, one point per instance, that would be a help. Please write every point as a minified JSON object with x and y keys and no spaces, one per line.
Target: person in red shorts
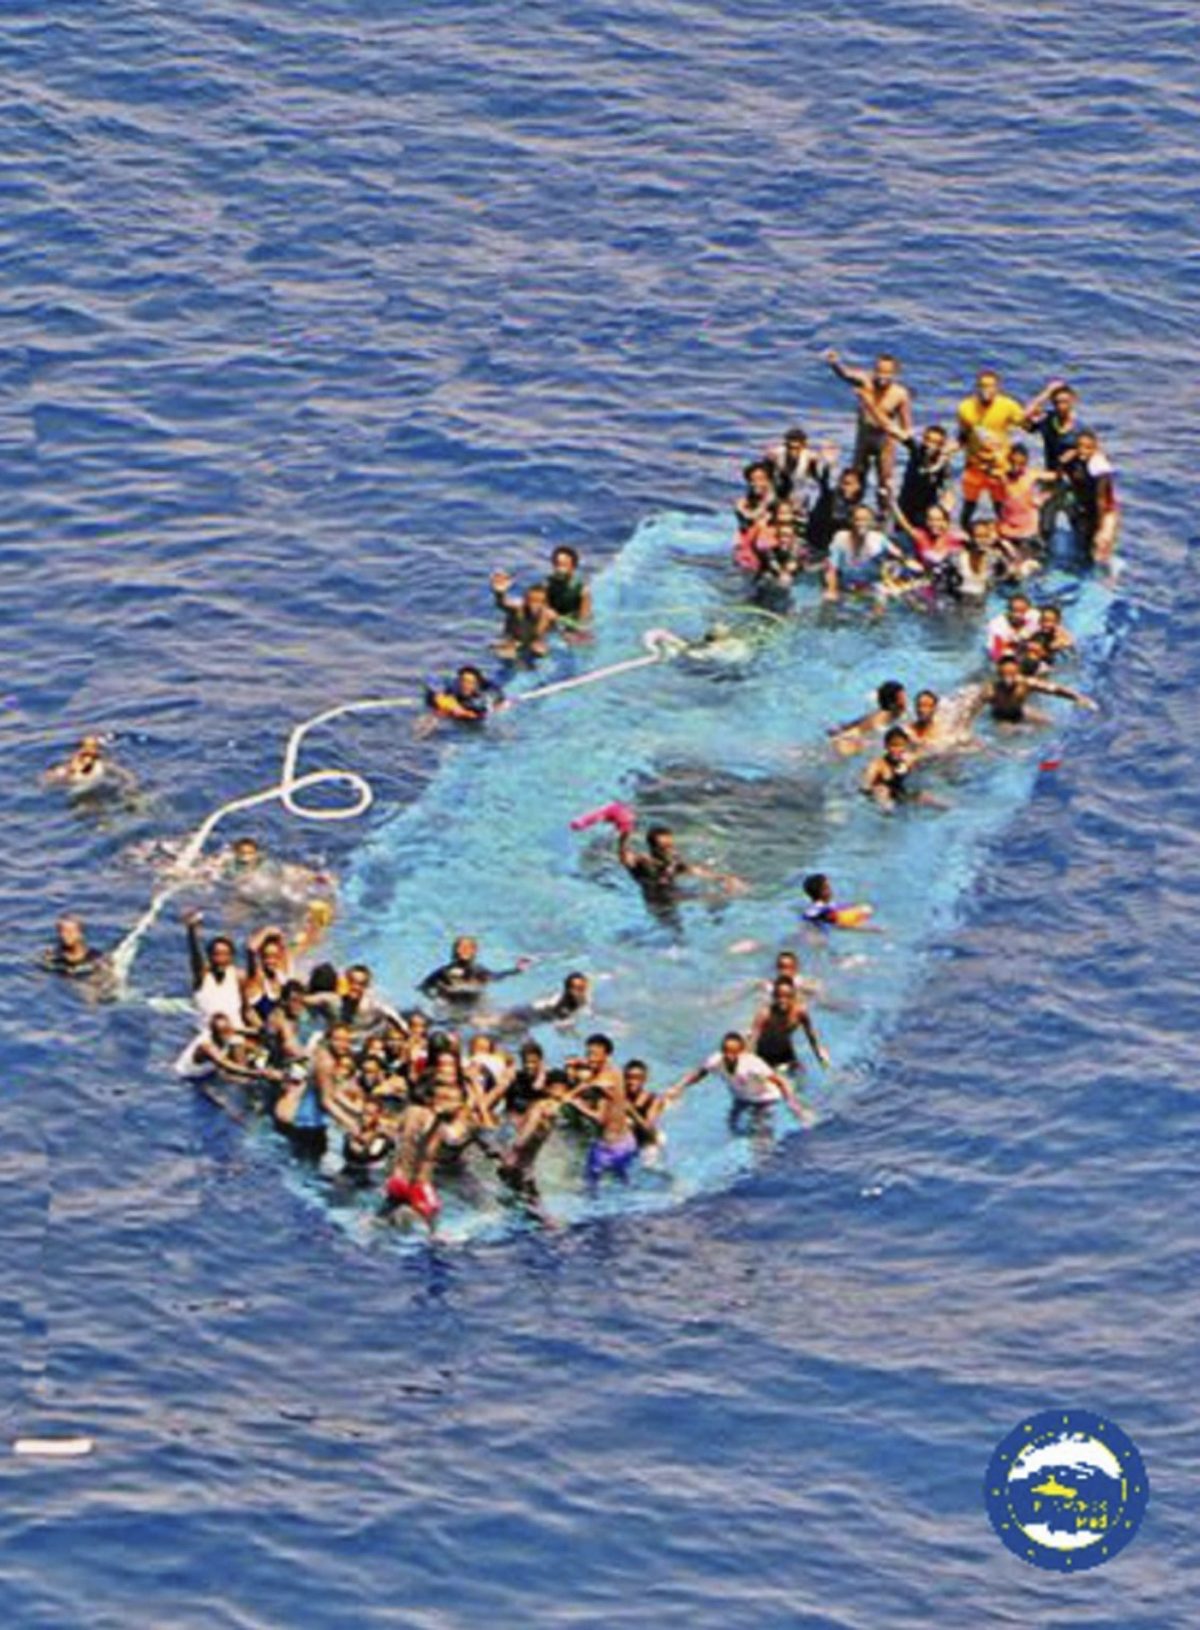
{"x":410,"y":1184}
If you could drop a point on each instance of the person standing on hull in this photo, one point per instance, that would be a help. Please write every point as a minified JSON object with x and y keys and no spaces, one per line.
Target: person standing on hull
{"x":884,"y":405}
{"x":1061,"y":428}
{"x":1096,"y":512}
{"x":856,"y":556}
{"x":986,"y":421}
{"x":772,"y":1034}
{"x":752,"y":1083}
{"x":410,"y":1187}
{"x":216,"y":981}
{"x":926,"y":479}
{"x":616,"y":1146}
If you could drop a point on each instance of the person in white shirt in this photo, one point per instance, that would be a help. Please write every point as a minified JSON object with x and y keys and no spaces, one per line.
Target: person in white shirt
{"x":750,"y":1080}
{"x":1012,"y":627}
{"x":856,"y":555}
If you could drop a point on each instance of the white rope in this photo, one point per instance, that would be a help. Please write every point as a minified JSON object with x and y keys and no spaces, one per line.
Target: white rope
{"x":660,"y":645}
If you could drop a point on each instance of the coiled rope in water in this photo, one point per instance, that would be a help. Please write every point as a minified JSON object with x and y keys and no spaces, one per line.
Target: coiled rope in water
{"x":660,"y":646}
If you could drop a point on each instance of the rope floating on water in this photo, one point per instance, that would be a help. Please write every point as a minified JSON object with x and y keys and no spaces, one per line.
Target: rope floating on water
{"x":660,"y":646}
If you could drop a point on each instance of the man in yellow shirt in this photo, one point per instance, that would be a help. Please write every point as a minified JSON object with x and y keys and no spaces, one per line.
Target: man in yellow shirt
{"x":986,"y":420}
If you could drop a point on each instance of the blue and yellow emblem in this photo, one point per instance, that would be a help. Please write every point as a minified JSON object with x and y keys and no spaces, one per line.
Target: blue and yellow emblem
{"x":1066,"y":1490}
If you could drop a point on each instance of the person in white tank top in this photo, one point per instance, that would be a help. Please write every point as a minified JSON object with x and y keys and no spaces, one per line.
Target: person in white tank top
{"x":216,"y":981}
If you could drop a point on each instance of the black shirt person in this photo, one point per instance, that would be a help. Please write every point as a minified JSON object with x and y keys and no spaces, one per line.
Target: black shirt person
{"x":461,"y":981}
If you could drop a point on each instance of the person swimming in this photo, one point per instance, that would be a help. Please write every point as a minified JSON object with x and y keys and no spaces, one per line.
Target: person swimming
{"x":468,"y":698}
{"x":91,"y":773}
{"x":567,"y":592}
{"x":529,"y":620}
{"x":71,"y":956}
{"x":1005,"y":697}
{"x":460,"y":983}
{"x":887,"y":781}
{"x":824,"y":910}
{"x":891,"y":706}
{"x":659,"y":869}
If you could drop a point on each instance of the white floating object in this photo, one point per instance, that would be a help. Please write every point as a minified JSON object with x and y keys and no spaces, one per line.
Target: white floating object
{"x":54,"y":1448}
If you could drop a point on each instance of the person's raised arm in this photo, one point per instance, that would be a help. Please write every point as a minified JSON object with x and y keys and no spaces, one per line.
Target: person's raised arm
{"x":850,"y":376}
{"x":501,"y":582}
{"x":1032,"y":411}
{"x":195,"y":949}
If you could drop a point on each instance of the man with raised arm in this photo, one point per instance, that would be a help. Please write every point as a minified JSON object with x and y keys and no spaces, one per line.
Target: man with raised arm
{"x":884,"y":405}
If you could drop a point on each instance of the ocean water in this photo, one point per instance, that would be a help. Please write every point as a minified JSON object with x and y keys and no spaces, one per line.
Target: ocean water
{"x":311,"y":314}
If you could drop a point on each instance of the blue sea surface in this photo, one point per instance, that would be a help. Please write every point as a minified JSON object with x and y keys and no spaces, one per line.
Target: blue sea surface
{"x":311,"y":314}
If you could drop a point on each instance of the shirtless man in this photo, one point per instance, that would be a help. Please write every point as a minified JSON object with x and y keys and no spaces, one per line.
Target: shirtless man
{"x":891,"y":707}
{"x":334,"y":1075}
{"x":775,"y":1024}
{"x":932,"y":729}
{"x":410,"y":1184}
{"x":615,"y":1147}
{"x":595,"y":1073}
{"x":1006,"y":695}
{"x":645,"y":1107}
{"x":752,"y":1083}
{"x":884,"y":405}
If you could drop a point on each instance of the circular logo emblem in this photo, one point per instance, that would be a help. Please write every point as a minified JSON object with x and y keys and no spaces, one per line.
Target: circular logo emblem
{"x":1066,"y":1490}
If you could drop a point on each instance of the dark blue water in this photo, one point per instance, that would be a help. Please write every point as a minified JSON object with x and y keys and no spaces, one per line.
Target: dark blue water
{"x":311,"y":312}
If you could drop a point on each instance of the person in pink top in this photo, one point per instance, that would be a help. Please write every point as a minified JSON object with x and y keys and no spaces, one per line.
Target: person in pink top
{"x":1025,"y":491}
{"x":935,"y":542}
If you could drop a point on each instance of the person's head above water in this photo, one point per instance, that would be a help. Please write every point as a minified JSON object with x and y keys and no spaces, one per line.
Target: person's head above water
{"x":862,"y":519}
{"x":896,"y":742}
{"x":575,"y":988}
{"x":933,"y":438}
{"x":927,"y":703}
{"x":1019,"y":606}
{"x":758,"y":479}
{"x":1008,"y":668}
{"x":1018,"y":459}
{"x":221,"y":953}
{"x":1088,"y":445}
{"x":358,"y":980}
{"x":1063,"y":400}
{"x":564,"y":562}
{"x":469,"y":680}
{"x":733,"y":1045}
{"x":937,"y":520}
{"x":636,"y":1073}
{"x":598,"y":1050}
{"x":246,"y":853}
{"x":795,"y":440}
{"x":818,"y":887}
{"x":70,"y":932}
{"x":987,"y":385}
{"x":886,"y":370}
{"x":892,"y":696}
{"x":783,"y":989}
{"x":660,"y":840}
{"x":532,"y":1054}
{"x":850,"y":485}
{"x":465,"y":948}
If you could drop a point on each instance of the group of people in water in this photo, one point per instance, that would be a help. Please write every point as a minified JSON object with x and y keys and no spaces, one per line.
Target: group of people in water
{"x":458,"y":1087}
